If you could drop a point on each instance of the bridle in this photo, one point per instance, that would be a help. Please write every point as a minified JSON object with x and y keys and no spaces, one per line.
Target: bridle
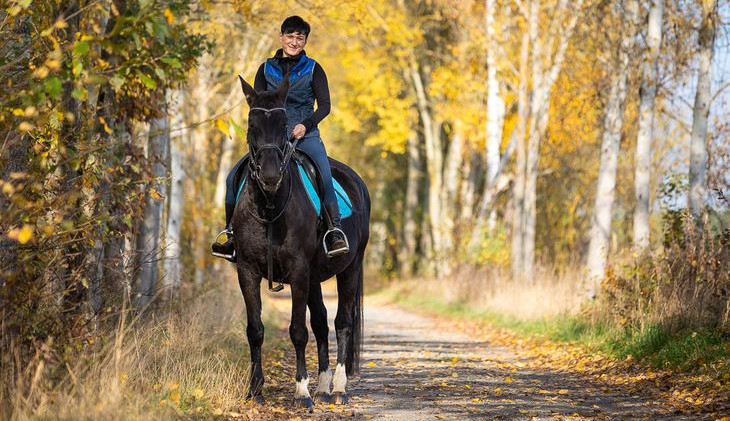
{"x":284,"y":155}
{"x":255,"y":169}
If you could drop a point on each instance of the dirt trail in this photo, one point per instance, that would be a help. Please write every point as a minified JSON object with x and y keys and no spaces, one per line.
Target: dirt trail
{"x":422,"y":368}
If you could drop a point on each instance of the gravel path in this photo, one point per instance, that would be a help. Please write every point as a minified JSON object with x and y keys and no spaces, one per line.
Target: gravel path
{"x":422,"y":368}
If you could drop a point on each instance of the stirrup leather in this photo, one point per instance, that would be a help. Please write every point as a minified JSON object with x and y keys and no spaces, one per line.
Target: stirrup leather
{"x":227,"y":232}
{"x":335,"y":252}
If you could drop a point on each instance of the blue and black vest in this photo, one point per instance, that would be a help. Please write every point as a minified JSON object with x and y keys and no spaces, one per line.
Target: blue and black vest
{"x":300,"y":100}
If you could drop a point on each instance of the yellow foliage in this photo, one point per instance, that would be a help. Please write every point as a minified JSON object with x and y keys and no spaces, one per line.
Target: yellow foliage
{"x":23,"y":234}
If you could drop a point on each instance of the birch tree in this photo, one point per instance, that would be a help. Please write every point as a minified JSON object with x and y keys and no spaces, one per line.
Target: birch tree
{"x":645,"y":135}
{"x":408,"y":246}
{"x":176,"y":195}
{"x":148,"y":239}
{"x":703,"y":97}
{"x":495,"y":123}
{"x":547,"y":56}
{"x":613,"y":127}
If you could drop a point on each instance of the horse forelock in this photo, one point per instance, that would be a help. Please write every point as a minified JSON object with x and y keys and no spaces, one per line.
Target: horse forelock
{"x":267,"y":99}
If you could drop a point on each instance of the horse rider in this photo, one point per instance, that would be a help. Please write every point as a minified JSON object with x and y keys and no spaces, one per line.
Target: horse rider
{"x":308,"y":83}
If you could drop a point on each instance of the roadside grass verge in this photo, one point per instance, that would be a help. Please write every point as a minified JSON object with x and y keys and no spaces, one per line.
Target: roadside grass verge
{"x":681,"y":350}
{"x":187,"y":362}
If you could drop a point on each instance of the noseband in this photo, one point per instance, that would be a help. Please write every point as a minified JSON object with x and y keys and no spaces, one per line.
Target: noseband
{"x":284,"y":155}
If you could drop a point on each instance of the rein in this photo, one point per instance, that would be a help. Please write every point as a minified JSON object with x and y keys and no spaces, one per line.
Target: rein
{"x":285,"y":157}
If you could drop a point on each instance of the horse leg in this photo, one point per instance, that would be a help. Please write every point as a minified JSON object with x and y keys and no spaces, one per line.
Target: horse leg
{"x":251,"y":287}
{"x":348,"y":287}
{"x":299,"y":336}
{"x":318,"y":320}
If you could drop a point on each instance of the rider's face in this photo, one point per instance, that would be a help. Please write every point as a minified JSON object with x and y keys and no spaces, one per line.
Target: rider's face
{"x":293,"y":43}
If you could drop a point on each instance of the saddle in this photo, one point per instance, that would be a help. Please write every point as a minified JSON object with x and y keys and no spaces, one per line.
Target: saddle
{"x":311,"y":179}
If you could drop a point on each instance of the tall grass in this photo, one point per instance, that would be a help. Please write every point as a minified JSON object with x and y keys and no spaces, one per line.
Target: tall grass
{"x":191,"y":359}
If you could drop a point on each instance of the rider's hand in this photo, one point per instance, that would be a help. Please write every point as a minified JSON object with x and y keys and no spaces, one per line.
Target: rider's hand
{"x":298,"y":131}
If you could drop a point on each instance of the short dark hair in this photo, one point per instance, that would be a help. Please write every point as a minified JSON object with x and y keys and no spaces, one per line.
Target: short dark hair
{"x":295,"y":24}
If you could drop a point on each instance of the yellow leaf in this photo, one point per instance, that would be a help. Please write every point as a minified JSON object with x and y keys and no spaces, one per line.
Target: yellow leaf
{"x":175,"y":396}
{"x":508,"y":380}
{"x":371,"y":364}
{"x":25,"y":126}
{"x":155,"y":194}
{"x":40,"y":72}
{"x":198,"y":393}
{"x":23,"y":235}
{"x":222,"y":126}
{"x":173,"y":385}
{"x":169,"y":16}
{"x":53,"y":64}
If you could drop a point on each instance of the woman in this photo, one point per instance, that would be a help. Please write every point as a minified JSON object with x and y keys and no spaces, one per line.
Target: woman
{"x":308,"y":83}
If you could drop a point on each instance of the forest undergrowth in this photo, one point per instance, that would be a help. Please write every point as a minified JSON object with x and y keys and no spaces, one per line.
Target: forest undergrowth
{"x":181,"y":361}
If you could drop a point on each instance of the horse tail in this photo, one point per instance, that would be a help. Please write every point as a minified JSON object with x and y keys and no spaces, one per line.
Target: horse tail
{"x":358,"y":321}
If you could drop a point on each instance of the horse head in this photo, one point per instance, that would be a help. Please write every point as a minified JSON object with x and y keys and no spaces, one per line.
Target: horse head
{"x":267,"y":137}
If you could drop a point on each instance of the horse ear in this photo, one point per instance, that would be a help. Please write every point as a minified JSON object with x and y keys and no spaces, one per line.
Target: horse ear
{"x":283,"y":90}
{"x":248,"y":90}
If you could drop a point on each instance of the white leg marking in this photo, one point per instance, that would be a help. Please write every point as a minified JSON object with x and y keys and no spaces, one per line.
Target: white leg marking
{"x":324,"y":381}
{"x":340,"y":380}
{"x":302,"y":389}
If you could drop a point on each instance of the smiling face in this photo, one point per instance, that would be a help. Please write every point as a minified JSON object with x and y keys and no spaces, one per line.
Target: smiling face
{"x":292,"y":43}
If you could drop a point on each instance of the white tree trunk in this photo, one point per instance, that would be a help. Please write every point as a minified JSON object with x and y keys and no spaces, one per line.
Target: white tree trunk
{"x":518,"y":191}
{"x":175,"y":195}
{"x":408,"y":246}
{"x":546,"y":66}
{"x":495,"y":110}
{"x":148,"y":240}
{"x":698,"y":143}
{"x":600,"y":231}
{"x":642,"y":177}
{"x":199,"y":143}
{"x":494,"y":127}
{"x":453,"y":162}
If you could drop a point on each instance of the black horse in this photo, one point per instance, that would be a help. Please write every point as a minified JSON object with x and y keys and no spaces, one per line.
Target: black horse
{"x":276,"y":233}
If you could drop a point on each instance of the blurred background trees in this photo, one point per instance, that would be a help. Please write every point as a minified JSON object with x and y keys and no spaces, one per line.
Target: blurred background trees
{"x":502,"y":135}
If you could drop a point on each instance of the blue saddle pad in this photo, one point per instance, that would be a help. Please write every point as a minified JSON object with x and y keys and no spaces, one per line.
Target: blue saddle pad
{"x":343,"y":200}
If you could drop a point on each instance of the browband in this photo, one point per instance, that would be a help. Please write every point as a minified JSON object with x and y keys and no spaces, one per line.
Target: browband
{"x":268,"y":110}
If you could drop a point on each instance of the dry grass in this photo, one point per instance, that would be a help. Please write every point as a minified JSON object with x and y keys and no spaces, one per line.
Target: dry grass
{"x":547,"y":294}
{"x":190,"y":360}
{"x":685,"y":284}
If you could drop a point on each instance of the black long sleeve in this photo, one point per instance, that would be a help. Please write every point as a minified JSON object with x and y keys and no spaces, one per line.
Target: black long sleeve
{"x":259,"y":83}
{"x":322,"y":95}
{"x":321,"y":89}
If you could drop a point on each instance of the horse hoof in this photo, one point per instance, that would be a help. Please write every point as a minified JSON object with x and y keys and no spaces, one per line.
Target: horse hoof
{"x":340,"y":398}
{"x":305,"y":403}
{"x":322,"y":398}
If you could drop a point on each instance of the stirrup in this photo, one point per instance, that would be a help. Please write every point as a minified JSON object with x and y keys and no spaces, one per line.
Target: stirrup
{"x":230,"y":257}
{"x":335,"y":252}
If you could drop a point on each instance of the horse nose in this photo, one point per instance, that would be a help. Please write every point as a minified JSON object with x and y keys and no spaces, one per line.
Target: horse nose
{"x":270,"y":174}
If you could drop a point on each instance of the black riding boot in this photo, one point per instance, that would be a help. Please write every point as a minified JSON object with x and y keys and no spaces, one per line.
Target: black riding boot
{"x":226,"y":249}
{"x":335,"y":240}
